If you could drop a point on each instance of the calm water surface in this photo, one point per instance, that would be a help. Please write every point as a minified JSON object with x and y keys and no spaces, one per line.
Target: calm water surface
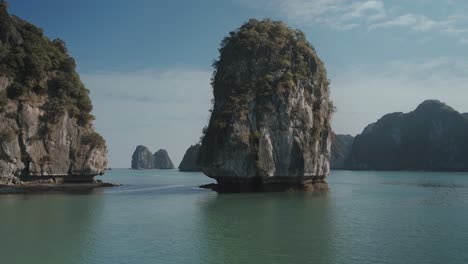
{"x":162,"y":217}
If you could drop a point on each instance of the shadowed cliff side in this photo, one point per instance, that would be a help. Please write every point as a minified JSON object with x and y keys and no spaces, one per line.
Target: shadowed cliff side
{"x":189,"y":162}
{"x":162,"y":160}
{"x":434,"y":137}
{"x":340,"y":151}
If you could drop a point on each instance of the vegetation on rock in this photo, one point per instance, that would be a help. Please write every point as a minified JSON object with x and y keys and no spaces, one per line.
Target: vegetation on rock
{"x":262,"y":57}
{"x":433,"y":137}
{"x":189,"y":161}
{"x":271,"y":101}
{"x":46,"y":125}
{"x":39,"y":66}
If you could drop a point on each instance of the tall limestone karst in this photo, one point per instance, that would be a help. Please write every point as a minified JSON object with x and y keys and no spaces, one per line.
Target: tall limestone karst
{"x":270,"y":124}
{"x":189,"y":162}
{"x":142,"y":158}
{"x":46,"y":130}
{"x":162,"y":160}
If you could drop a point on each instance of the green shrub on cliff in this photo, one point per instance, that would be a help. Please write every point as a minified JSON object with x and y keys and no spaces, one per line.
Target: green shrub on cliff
{"x":93,"y":140}
{"x":268,"y":57}
{"x":265,"y":59}
{"x":38,"y":65}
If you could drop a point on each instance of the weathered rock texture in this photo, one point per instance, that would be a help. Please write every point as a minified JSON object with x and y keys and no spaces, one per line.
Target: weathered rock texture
{"x":434,"y":137}
{"x":270,"y":124}
{"x":189,"y":162}
{"x":340,"y":150}
{"x":142,"y":158}
{"x":46,"y":131}
{"x":162,"y":160}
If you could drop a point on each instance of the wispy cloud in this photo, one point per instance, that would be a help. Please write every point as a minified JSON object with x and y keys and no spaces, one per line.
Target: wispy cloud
{"x":411,"y":21}
{"x":370,"y":14}
{"x":453,"y":26}
{"x":338,"y":14}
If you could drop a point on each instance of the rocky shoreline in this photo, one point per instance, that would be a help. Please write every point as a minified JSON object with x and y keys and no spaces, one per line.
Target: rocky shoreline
{"x":32,"y":188}
{"x":268,"y":184}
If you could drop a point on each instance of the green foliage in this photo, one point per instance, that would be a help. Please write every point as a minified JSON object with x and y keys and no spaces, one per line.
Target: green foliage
{"x":3,"y":52}
{"x":204,"y":130}
{"x":40,"y":66}
{"x":5,"y":23}
{"x":60,"y":45}
{"x":16,"y":90}
{"x":263,"y":58}
{"x":53,"y":109}
{"x":68,"y":65}
{"x":94,"y":140}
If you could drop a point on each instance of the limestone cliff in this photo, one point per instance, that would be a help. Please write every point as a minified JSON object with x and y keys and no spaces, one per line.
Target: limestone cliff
{"x":434,"y":137}
{"x":340,"y":150}
{"x":142,"y":158}
{"x":189,"y":162}
{"x":270,"y":122}
{"x":46,"y":131}
{"x":162,"y":160}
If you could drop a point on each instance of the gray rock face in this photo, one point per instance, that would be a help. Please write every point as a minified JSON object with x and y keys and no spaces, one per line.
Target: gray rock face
{"x":142,"y":158}
{"x":162,"y":160}
{"x":434,"y":137}
{"x":189,"y":162}
{"x":270,"y":124}
{"x":340,"y":150}
{"x":43,"y":139}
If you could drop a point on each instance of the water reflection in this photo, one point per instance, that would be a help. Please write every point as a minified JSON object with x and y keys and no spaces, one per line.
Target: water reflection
{"x":46,"y":228}
{"x":266,"y":228}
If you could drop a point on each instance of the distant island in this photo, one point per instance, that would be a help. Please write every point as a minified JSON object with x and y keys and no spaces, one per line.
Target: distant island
{"x":189,"y":161}
{"x":143,"y":159}
{"x":434,"y":137}
{"x":46,"y":130}
{"x":270,"y":124}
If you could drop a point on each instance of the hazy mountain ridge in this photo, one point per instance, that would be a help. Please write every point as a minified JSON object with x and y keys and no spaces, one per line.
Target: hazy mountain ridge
{"x":340,"y":150}
{"x":433,"y":137}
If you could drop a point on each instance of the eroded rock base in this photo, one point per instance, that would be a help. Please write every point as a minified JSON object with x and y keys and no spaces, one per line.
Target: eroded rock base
{"x":52,"y":184}
{"x":268,"y":184}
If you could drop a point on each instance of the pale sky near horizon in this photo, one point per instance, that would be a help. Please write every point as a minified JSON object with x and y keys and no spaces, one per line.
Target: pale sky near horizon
{"x":148,"y":63}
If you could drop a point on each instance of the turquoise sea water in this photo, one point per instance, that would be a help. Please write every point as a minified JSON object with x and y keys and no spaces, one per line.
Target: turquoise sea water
{"x":162,"y":217}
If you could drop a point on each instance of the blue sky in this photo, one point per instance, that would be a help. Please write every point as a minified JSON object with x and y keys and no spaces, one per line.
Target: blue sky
{"x":148,"y":63}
